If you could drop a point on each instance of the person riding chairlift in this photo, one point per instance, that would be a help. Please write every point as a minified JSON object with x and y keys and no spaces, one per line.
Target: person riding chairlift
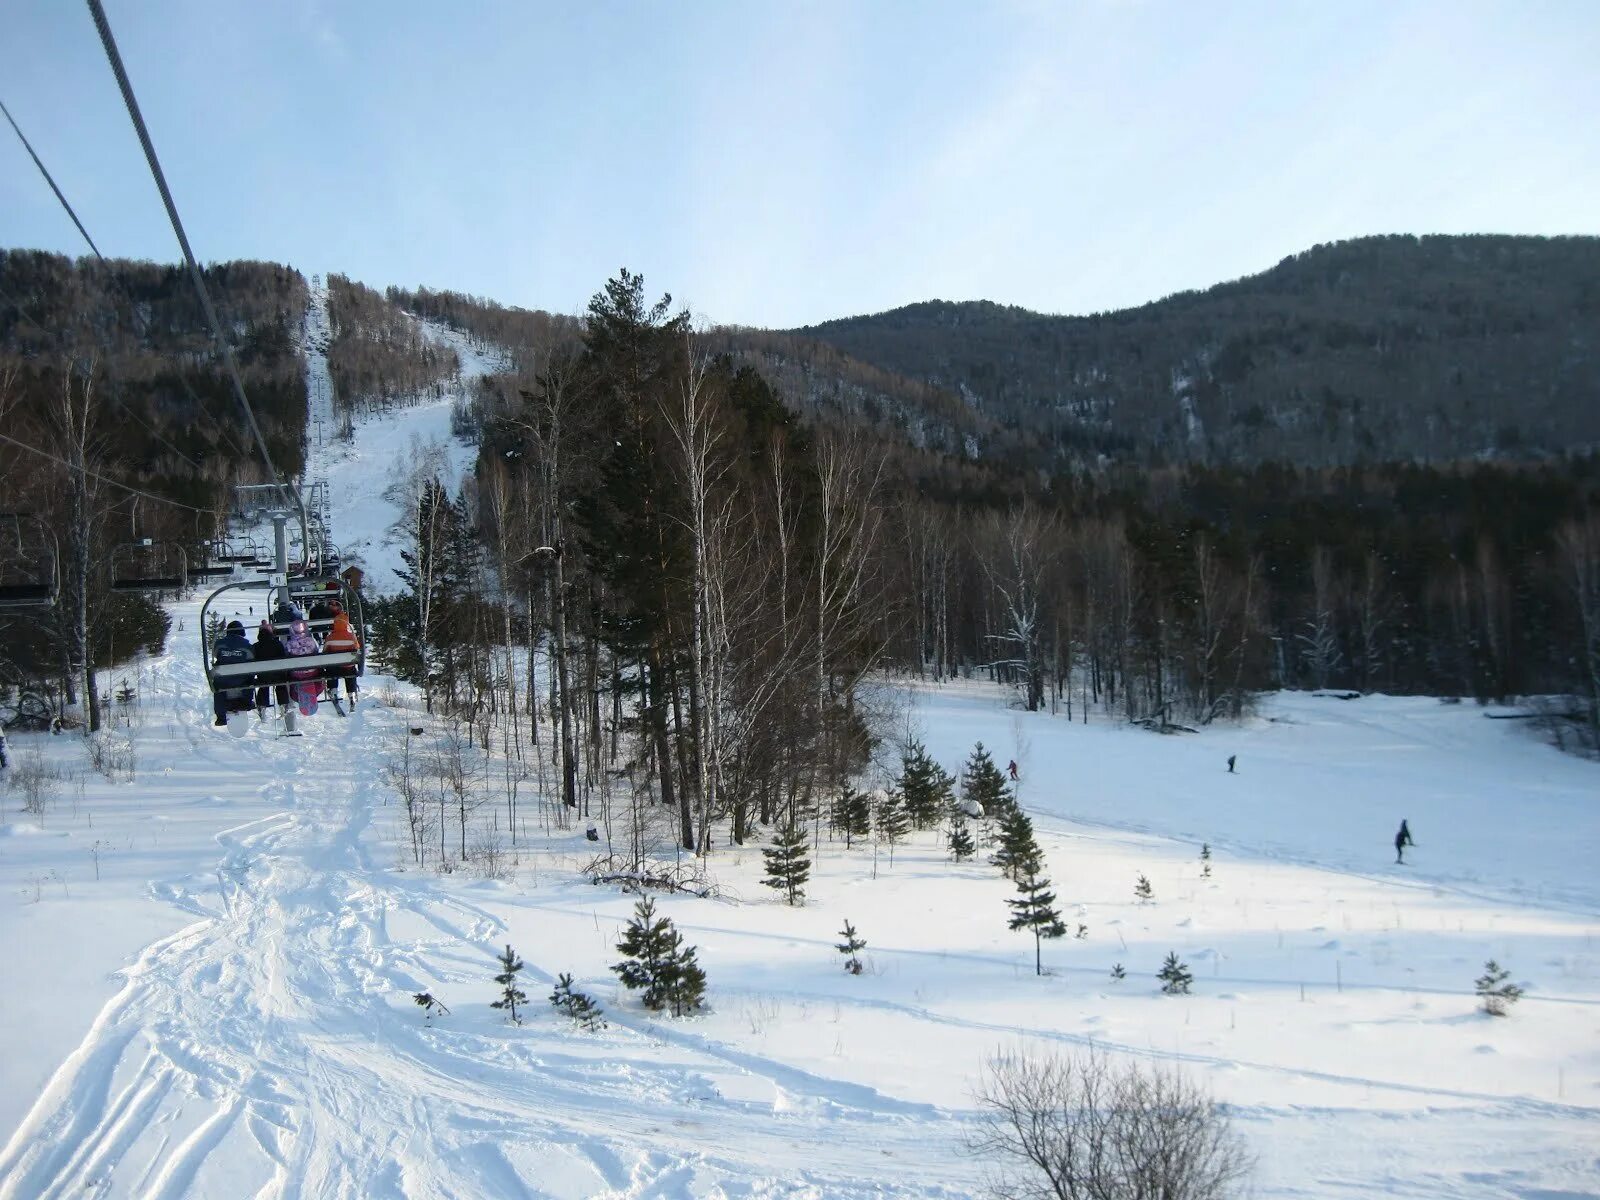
{"x":342,"y":639}
{"x":232,"y":647}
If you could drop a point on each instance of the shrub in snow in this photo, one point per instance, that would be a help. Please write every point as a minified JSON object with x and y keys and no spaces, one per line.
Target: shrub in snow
{"x":1142,"y":891}
{"x":852,"y":946}
{"x":1118,"y":972}
{"x":788,"y":862}
{"x":1205,"y":860}
{"x":658,"y":964}
{"x":1034,"y":909}
{"x":580,"y":1006}
{"x":430,"y":1004}
{"x":1174,"y":976}
{"x":1494,"y":990}
{"x":510,"y":994}
{"x":961,"y":844}
{"x":1082,"y":931}
{"x":1083,"y":1127}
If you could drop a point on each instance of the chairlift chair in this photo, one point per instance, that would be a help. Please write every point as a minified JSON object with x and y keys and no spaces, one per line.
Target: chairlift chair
{"x":326,"y":669}
{"x":149,"y":566}
{"x":29,"y":563}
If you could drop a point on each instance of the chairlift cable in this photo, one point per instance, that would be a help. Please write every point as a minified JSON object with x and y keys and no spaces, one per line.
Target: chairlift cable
{"x":115,"y":59}
{"x":28,"y":146}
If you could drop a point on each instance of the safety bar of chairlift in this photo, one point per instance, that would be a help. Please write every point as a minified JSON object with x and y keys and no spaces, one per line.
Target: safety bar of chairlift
{"x":26,"y":595}
{"x":278,"y":672}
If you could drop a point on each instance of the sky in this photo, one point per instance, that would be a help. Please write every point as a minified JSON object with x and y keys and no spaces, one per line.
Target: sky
{"x":781,"y":164}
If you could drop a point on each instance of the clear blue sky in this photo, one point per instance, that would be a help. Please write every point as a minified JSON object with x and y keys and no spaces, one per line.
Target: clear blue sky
{"x":776,"y":164}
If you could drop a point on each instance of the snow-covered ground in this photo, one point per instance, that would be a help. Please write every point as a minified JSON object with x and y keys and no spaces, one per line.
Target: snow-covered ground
{"x":386,"y":447}
{"x":226,"y":1010}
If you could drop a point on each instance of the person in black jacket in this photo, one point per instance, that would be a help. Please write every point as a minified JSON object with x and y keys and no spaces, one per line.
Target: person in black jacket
{"x":269,"y":646}
{"x":1401,"y":841}
{"x":231,"y":647}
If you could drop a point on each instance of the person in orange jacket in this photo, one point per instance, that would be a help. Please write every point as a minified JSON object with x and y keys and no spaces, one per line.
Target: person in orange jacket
{"x":342,"y":639}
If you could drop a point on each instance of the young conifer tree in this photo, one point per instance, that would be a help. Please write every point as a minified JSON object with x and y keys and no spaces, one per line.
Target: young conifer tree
{"x":893,"y":824}
{"x":851,"y":947}
{"x":658,"y":964}
{"x":926,"y":786}
{"x":982,"y":781}
{"x":1018,"y":850}
{"x":1174,"y":976}
{"x":961,"y":844}
{"x":510,"y":994}
{"x":1034,"y":909}
{"x":580,"y":1006}
{"x":1494,"y":991}
{"x":1142,"y":891}
{"x":852,"y":815}
{"x":788,"y":861}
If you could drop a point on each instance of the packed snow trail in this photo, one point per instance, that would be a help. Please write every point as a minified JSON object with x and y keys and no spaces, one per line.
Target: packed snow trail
{"x":272,"y":1049}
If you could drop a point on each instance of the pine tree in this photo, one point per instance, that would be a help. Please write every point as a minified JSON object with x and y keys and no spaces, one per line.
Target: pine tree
{"x":1018,"y":851}
{"x":510,"y":994}
{"x":982,"y":782}
{"x":851,"y":946}
{"x":893,"y":824}
{"x":1082,"y":932}
{"x":580,"y":1006}
{"x":852,"y":815}
{"x":1034,"y":909}
{"x":1494,"y":991}
{"x":926,"y":786}
{"x":1174,"y":976}
{"x":1118,"y":972}
{"x":1205,"y":860}
{"x":961,"y":846}
{"x":1142,"y":891}
{"x":658,"y":964}
{"x":788,"y":861}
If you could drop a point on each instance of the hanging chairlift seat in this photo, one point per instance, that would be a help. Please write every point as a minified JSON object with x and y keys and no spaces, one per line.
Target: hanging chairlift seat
{"x":29,"y":575}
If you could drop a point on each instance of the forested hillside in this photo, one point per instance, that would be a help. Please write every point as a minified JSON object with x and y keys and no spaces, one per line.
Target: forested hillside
{"x":109,"y":381}
{"x":1388,"y":348}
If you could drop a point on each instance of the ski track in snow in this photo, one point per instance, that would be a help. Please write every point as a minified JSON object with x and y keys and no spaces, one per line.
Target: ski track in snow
{"x":269,"y":1049}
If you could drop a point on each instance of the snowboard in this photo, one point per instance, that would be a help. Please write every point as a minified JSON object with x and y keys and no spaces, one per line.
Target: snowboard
{"x":306,"y":695}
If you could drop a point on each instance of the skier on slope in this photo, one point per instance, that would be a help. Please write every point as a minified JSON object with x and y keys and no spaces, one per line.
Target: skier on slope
{"x":1402,"y":839}
{"x":231,"y":647}
{"x":1012,"y":768}
{"x":342,"y":639}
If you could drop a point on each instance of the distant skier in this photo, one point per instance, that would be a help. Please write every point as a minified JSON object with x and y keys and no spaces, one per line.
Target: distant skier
{"x":1012,"y":768}
{"x":1401,"y":841}
{"x":231,"y":647}
{"x":1232,"y":758}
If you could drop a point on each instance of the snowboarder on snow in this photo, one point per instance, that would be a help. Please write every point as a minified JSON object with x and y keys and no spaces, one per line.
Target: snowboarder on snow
{"x":1232,"y":758}
{"x":231,"y":647}
{"x":1012,"y":768}
{"x":1401,"y":841}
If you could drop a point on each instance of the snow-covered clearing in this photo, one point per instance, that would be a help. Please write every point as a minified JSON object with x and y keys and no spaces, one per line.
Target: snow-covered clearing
{"x":226,"y":1011}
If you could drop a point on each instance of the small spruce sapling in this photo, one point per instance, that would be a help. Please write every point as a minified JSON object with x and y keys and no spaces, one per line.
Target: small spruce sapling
{"x":1018,"y":850}
{"x":1035,"y":910}
{"x":852,"y":815}
{"x":510,"y":994}
{"x":1174,"y":976}
{"x":580,"y":1006}
{"x":961,"y":844}
{"x":1118,"y":972}
{"x":430,"y":1004}
{"x":1494,"y":990}
{"x":893,"y":824}
{"x":1082,"y":931}
{"x":1205,"y":860}
{"x":658,"y":963}
{"x":788,"y":861}
{"x":982,"y":783}
{"x":1142,"y":891}
{"x":851,"y":946}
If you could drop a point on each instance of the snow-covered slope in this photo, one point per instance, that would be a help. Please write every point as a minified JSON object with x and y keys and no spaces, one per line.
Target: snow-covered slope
{"x":264,"y":1041}
{"x":386,"y":447}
